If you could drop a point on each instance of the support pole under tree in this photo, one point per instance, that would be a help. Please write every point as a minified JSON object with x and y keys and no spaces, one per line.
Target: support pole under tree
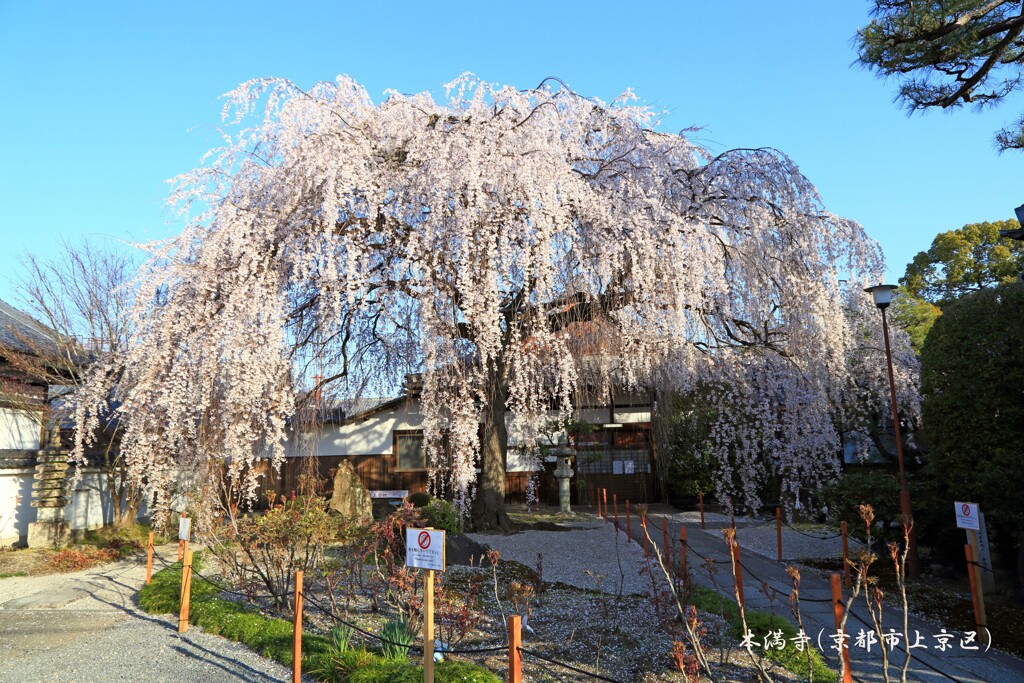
{"x":186,"y":591}
{"x":515,"y":642}
{"x":837,"y":612}
{"x":737,"y":570}
{"x":778,"y":530}
{"x":297,"y":631}
{"x":604,"y":497}
{"x":846,"y":558}
{"x":428,"y":627}
{"x":666,"y":545}
{"x":683,"y":553}
{"x":149,"y":559}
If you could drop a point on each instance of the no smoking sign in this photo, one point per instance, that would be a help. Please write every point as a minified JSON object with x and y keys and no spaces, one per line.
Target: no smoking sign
{"x":424,"y":549}
{"x":967,"y":516}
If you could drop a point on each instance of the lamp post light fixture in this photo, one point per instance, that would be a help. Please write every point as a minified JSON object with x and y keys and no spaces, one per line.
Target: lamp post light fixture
{"x":1017,"y":234}
{"x":882,"y":295}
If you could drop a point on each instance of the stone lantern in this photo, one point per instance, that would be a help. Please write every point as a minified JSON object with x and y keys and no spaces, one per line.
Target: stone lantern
{"x":563,"y":454}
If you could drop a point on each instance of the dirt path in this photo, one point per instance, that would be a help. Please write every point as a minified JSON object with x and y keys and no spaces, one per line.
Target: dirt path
{"x":85,"y":627}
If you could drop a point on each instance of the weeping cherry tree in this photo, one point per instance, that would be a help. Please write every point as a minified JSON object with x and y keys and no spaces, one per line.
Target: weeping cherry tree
{"x":493,"y":242}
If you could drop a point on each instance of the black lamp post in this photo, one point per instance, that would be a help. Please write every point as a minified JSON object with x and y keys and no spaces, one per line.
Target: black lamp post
{"x":882,"y":295}
{"x":1017,"y":234}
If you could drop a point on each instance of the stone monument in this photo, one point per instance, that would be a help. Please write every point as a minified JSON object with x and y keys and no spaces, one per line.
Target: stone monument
{"x":49,"y":497}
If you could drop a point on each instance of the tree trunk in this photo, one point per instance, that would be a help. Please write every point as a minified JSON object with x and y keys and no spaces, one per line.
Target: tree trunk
{"x":489,"y":505}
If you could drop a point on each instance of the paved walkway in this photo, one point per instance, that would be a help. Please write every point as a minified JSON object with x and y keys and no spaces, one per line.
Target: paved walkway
{"x":928,"y":666}
{"x":85,"y":627}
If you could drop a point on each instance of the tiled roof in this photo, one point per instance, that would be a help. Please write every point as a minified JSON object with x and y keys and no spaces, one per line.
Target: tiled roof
{"x":21,"y":332}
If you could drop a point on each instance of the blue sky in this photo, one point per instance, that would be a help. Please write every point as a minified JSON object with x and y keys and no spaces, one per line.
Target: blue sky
{"x":102,"y":102}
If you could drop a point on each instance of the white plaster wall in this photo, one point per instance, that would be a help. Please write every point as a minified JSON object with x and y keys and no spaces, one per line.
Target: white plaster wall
{"x":369,"y":436}
{"x":90,"y":505}
{"x":600,"y":416}
{"x":15,"y":511}
{"x":18,"y":430}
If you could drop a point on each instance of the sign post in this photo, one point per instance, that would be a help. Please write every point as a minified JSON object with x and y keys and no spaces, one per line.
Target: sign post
{"x":988,"y":578}
{"x":969,"y":518}
{"x":424,"y":549}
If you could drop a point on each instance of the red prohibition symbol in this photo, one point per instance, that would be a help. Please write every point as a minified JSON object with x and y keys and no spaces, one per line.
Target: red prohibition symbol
{"x":424,"y":540}
{"x":966,"y":509}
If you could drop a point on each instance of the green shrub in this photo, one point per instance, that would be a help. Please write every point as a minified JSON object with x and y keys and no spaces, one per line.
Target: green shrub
{"x":335,"y":666}
{"x":398,"y":639}
{"x":760,"y":623}
{"x":443,"y":515}
{"x":448,"y":671}
{"x":880,"y":490}
{"x":420,"y":499}
{"x":763,"y":623}
{"x":384,"y":671}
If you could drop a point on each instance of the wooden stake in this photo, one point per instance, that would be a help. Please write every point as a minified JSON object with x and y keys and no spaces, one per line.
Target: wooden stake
{"x":683,"y":553}
{"x":846,"y":559}
{"x":778,"y":530}
{"x":186,"y":592}
{"x":428,"y":627}
{"x":738,"y":571}
{"x":604,"y":496}
{"x":700,"y":499}
{"x":643,"y":524}
{"x":837,"y":612}
{"x":629,"y":526}
{"x":297,"y":632}
{"x":982,"y":619}
{"x":515,"y":641}
{"x":149,"y":559}
{"x":666,"y":547}
{"x":971,"y":580}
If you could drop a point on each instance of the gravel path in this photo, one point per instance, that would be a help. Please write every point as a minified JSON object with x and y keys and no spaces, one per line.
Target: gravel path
{"x":85,"y":627}
{"x":568,"y":555}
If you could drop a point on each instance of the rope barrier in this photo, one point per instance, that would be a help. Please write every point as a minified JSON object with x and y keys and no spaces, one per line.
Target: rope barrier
{"x":329,"y":613}
{"x":356,"y":628}
{"x":755,"y":577}
{"x":570,"y":667}
{"x":466,"y":651}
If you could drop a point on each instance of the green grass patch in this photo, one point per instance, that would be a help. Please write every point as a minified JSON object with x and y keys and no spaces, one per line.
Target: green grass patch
{"x":269,"y":636}
{"x":761,"y":624}
{"x":272,"y":637}
{"x":12,"y":574}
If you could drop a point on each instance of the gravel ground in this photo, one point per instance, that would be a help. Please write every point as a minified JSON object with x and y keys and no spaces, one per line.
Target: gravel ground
{"x":591,"y":547}
{"x":85,"y":627}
